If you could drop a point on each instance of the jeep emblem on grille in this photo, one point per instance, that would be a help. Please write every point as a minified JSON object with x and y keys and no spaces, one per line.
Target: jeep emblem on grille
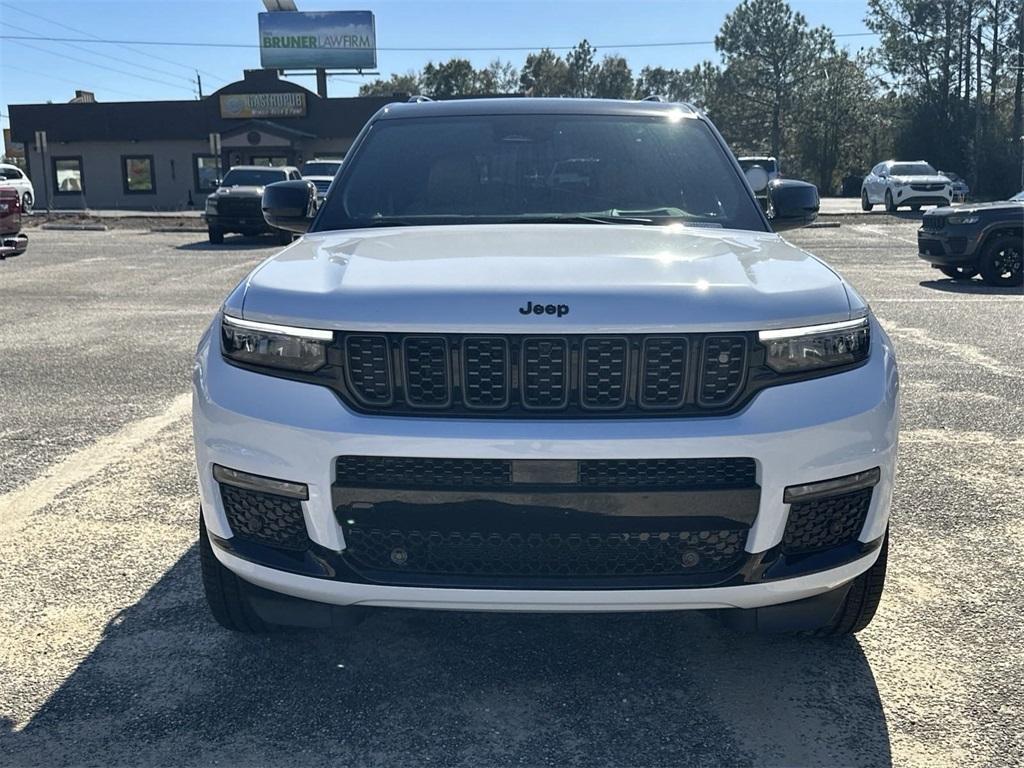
{"x":544,"y":309}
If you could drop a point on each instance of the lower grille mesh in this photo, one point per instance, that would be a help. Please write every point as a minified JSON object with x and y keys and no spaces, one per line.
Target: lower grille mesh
{"x":578,"y":555}
{"x":825,"y":523}
{"x":265,"y":518}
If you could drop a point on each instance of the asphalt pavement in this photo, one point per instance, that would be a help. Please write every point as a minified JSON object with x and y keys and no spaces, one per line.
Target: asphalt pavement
{"x":109,"y":657}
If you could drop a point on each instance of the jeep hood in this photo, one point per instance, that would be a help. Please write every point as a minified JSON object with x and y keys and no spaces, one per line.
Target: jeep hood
{"x":475,"y":278}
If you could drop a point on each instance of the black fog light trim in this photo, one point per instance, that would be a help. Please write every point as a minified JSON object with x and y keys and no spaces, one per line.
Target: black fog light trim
{"x":260,"y":484}
{"x":833,"y":487}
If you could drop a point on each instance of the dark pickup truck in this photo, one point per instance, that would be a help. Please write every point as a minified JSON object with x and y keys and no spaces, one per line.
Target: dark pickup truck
{"x":12,"y":242}
{"x":986,"y":238}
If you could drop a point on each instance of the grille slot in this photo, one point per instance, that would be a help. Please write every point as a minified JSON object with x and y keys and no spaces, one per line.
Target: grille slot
{"x":369,"y":369}
{"x":668,"y":473}
{"x":544,"y":366}
{"x":427,"y":365}
{"x":663,"y":377}
{"x":825,"y":523}
{"x":723,"y":364}
{"x":605,"y":372}
{"x":486,"y":374}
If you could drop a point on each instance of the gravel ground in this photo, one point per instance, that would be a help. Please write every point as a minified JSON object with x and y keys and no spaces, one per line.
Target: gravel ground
{"x":109,"y":657}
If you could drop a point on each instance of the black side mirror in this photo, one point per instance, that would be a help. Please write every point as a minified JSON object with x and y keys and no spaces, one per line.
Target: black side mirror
{"x":289,"y":205}
{"x":792,"y":204}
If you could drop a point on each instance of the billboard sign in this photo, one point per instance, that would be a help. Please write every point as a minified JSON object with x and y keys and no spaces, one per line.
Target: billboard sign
{"x":328,"y":40}
{"x":249,"y":105}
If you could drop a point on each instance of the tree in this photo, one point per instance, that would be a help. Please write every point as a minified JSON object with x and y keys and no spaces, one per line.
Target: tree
{"x":582,"y":70}
{"x":499,"y":77}
{"x":409,"y":83}
{"x":544,"y":74}
{"x":614,"y":79}
{"x":769,"y":54}
{"x":455,"y":77}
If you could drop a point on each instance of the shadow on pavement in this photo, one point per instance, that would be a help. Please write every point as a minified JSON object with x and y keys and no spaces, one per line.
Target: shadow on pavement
{"x":241,"y":241}
{"x":165,"y":686}
{"x":970,"y":286}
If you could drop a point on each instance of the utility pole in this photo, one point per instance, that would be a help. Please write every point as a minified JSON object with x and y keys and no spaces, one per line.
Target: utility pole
{"x":199,"y":83}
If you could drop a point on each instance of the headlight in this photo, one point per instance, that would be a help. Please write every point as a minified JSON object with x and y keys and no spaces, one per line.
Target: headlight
{"x":899,"y":183}
{"x":813,"y":347}
{"x":964,"y":219}
{"x":274,"y":346}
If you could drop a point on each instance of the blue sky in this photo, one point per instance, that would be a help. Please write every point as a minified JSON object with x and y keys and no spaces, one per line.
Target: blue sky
{"x":51,"y":71}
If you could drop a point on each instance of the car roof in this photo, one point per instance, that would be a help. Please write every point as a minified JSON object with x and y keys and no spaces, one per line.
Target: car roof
{"x":534,"y":106}
{"x":281,"y":168}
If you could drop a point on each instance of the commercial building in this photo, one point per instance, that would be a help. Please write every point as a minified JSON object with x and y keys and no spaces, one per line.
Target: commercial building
{"x":157,"y":155}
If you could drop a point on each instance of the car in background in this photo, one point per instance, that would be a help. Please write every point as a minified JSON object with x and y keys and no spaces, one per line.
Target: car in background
{"x":959,"y":187}
{"x":1018,"y":196}
{"x":13,"y":176}
{"x":985,"y":237}
{"x":236,"y":204}
{"x":896,"y":183}
{"x":321,"y":171}
{"x":12,"y":242}
{"x":769,"y":164}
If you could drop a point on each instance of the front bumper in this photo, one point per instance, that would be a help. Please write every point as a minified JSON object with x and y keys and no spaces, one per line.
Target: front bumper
{"x":952,"y":246}
{"x":247,"y":222}
{"x":13,"y":245}
{"x":797,"y":433}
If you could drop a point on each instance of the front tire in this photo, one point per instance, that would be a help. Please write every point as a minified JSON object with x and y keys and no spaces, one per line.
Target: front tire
{"x":862,"y":600}
{"x":1002,"y":261}
{"x":865,"y":204}
{"x":27,"y":202}
{"x":890,"y":204}
{"x":959,"y":273}
{"x":216,"y":235}
{"x":284,"y":237}
{"x":223,"y":591}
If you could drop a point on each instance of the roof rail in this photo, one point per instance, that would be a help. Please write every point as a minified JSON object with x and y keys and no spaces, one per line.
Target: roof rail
{"x":653,"y":97}
{"x":418,"y":98}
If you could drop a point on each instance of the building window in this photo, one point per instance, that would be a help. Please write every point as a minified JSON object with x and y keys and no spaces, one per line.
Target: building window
{"x":206,"y":171}
{"x":137,"y":174}
{"x":275,"y":161}
{"x":67,"y":176}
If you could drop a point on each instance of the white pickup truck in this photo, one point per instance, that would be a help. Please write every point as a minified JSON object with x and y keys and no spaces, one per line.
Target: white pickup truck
{"x":476,"y":383}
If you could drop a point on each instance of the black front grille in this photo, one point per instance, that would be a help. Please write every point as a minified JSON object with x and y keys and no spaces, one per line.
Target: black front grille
{"x":926,"y":187}
{"x":239,"y":206}
{"x":825,"y":523}
{"x":559,"y":555}
{"x":538,"y":376}
{"x":957,"y":245}
{"x":933,"y":223}
{"x":265,"y":518}
{"x":604,"y":474}
{"x":322,"y":185}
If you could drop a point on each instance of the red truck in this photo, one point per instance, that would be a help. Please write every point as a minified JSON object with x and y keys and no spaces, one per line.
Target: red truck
{"x":12,"y":242}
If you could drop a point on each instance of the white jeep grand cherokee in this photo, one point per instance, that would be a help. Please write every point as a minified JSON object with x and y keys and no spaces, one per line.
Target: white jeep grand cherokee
{"x":544,"y":355}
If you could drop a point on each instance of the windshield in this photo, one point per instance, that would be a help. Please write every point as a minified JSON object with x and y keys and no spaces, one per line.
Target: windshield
{"x":477,"y":169}
{"x":321,"y":169}
{"x":912,"y":169}
{"x":238,"y":177}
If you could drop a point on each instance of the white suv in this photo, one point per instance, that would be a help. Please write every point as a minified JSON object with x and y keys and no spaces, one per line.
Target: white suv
{"x":13,"y":176}
{"x":478,"y":384}
{"x":895,"y":183}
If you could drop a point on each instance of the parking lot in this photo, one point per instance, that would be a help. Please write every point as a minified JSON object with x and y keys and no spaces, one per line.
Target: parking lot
{"x":108,"y":655}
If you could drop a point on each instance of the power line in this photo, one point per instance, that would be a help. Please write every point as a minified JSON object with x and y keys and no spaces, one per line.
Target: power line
{"x":104,"y":66}
{"x":189,"y":67}
{"x":66,"y":80}
{"x":108,"y":56}
{"x":467,"y":49}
